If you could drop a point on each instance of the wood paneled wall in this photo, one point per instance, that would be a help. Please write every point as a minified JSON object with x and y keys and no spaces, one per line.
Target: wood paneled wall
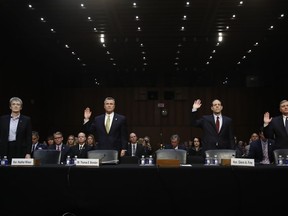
{"x":62,"y":109}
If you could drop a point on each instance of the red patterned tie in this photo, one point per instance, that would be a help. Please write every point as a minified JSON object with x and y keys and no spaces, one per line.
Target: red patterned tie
{"x":217,"y":124}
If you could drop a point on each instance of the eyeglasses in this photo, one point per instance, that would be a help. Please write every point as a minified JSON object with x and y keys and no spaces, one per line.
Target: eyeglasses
{"x":57,"y":137}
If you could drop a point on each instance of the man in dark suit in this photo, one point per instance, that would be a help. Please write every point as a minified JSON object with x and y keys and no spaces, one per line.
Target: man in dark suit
{"x":134,"y":148}
{"x":213,"y":137}
{"x":15,"y":132}
{"x":60,"y":146}
{"x":110,"y":129}
{"x":175,"y":143}
{"x":277,"y":127}
{"x":81,"y":148}
{"x":261,"y":150}
{"x":36,"y":145}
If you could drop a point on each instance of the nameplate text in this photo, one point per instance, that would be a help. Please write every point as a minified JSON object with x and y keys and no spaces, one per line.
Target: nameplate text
{"x":242,"y":162}
{"x":87,"y":162}
{"x":22,"y":162}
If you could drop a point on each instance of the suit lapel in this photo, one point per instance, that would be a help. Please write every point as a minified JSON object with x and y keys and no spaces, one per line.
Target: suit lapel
{"x":281,"y":122}
{"x":20,"y":123}
{"x":223,"y":123}
{"x":102,"y":122}
{"x":213,"y":123}
{"x":114,"y":121}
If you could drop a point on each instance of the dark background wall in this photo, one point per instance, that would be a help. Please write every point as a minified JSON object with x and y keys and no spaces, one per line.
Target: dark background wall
{"x":62,"y":108}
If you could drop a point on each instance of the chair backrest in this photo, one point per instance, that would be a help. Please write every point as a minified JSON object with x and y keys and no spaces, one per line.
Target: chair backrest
{"x":195,"y":159}
{"x":47,"y":156}
{"x":221,"y":153}
{"x":178,"y":154}
{"x":105,"y":156}
{"x":129,"y":160}
{"x":282,"y":152}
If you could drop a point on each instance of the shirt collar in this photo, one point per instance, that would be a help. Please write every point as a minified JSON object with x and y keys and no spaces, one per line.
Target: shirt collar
{"x":16,"y":117}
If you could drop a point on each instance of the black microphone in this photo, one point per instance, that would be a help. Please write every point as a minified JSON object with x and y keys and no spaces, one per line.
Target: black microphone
{"x":103,"y":156}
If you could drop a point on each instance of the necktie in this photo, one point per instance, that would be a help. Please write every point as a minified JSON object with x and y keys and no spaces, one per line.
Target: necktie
{"x":107,"y":126}
{"x":58,"y":147}
{"x":217,"y":124}
{"x":133,"y":149}
{"x":265,"y":153}
{"x":286,"y":124}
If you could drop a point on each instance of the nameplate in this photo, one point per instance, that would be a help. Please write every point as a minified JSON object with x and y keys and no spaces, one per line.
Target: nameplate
{"x":242,"y":162}
{"x":88,"y":162}
{"x":22,"y":162}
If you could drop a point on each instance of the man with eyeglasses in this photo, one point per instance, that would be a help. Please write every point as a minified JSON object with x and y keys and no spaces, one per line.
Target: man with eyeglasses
{"x":60,"y":146}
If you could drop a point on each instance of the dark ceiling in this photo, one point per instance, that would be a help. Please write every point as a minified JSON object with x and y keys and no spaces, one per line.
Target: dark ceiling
{"x":159,"y":54}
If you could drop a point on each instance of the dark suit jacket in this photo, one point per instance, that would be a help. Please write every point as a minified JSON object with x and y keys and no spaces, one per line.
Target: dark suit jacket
{"x":276,"y":130}
{"x":65,"y":149}
{"x":211,"y":139}
{"x":140,"y":150}
{"x":23,"y":136}
{"x":170,"y":146}
{"x":117,"y":138}
{"x":192,"y":151}
{"x":256,"y":151}
{"x":74,"y":150}
{"x":39,"y":146}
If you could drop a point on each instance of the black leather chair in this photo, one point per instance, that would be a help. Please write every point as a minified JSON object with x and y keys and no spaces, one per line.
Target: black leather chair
{"x":178,"y":154}
{"x":129,"y":160}
{"x":195,"y":159}
{"x":105,"y":156}
{"x":283,"y":153}
{"x":47,"y":156}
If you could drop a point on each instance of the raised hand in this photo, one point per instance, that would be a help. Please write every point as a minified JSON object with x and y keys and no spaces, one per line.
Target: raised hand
{"x":266,"y":118}
{"x":197,"y":104}
{"x":87,"y":113}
